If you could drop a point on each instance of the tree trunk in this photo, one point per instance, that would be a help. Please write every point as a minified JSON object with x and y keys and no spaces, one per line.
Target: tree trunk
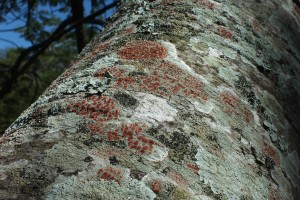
{"x":175,"y":99}
{"x":78,"y":14}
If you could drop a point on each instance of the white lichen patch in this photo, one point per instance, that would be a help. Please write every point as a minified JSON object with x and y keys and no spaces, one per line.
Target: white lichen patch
{"x":228,"y":74}
{"x":101,"y":63}
{"x":204,"y":107}
{"x":198,"y":45}
{"x":217,"y":173}
{"x":173,"y":57}
{"x":83,"y":81}
{"x":217,"y":125}
{"x":159,"y":183}
{"x":88,"y":185}
{"x":256,"y":118}
{"x":198,"y":15}
{"x":228,"y":53}
{"x":153,"y":109}
{"x":145,"y":191}
{"x":67,"y":122}
{"x":88,"y":85}
{"x":231,"y":91}
{"x":66,"y":156}
{"x":159,"y":153}
{"x":214,"y":52}
{"x":204,"y":197}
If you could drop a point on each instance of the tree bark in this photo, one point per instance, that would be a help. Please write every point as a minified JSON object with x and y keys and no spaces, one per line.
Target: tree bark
{"x":175,"y":99}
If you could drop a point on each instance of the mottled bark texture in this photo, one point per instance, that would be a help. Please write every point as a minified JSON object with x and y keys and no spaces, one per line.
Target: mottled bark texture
{"x":176,"y":99}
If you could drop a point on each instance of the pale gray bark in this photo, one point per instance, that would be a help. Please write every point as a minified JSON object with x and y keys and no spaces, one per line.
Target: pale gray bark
{"x":175,"y":99}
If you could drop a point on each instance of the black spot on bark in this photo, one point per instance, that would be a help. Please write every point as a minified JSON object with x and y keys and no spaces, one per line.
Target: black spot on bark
{"x":113,"y":160}
{"x":269,"y":163}
{"x":137,"y":174}
{"x":181,"y":147}
{"x":88,"y":159}
{"x":126,"y":99}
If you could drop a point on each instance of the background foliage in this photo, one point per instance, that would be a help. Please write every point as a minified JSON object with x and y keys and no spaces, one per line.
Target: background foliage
{"x":56,"y":30}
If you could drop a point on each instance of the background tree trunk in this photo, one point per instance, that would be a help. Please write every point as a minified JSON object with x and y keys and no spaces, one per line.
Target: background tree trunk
{"x":174,"y":100}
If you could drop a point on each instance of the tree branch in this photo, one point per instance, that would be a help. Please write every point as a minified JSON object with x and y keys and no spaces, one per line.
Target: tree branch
{"x":13,"y":29}
{"x":77,"y":14}
{"x":10,"y":42}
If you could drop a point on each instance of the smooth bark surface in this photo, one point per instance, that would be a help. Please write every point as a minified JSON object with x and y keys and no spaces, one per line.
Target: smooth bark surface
{"x":175,"y":99}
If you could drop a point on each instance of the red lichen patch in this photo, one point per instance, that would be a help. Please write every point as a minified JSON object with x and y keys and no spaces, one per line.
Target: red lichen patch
{"x":130,"y":133}
{"x":273,"y":194}
{"x":228,"y":99}
{"x":224,"y":32}
{"x":297,"y":9}
{"x":256,"y":26}
{"x":3,"y":139}
{"x":141,"y":50}
{"x":270,"y":151}
{"x":214,"y":149}
{"x":135,"y":140}
{"x":179,"y":82}
{"x":99,"y":108}
{"x":166,"y":2}
{"x":232,"y":106}
{"x":248,"y":115}
{"x":123,"y":79}
{"x":102,"y":111}
{"x":161,"y":79}
{"x":100,"y":48}
{"x":111,"y":174}
{"x":207,"y":4}
{"x":178,"y":178}
{"x":156,"y":186}
{"x":194,"y":167}
{"x":128,"y":30}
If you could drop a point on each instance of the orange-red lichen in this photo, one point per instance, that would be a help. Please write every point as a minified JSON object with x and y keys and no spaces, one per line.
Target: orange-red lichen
{"x":256,"y":25}
{"x":207,"y":4}
{"x":140,"y":50}
{"x":232,"y":105}
{"x":224,"y":32}
{"x":135,"y":140}
{"x":99,"y":108}
{"x":248,"y":115}
{"x":101,"y":47}
{"x":156,"y":186}
{"x":178,"y":178}
{"x":194,"y":167}
{"x":166,"y":2}
{"x":3,"y":139}
{"x":228,"y":99}
{"x":270,"y":151}
{"x":273,"y":194}
{"x":102,"y":110}
{"x":162,"y":79}
{"x":111,"y":174}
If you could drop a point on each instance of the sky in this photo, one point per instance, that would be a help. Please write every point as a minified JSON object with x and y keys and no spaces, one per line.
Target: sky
{"x":16,"y":39}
